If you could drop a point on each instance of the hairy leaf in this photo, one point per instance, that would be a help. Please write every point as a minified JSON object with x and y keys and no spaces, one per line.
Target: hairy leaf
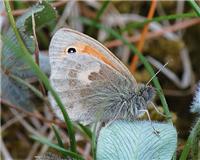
{"x":137,"y":140}
{"x":11,"y":64}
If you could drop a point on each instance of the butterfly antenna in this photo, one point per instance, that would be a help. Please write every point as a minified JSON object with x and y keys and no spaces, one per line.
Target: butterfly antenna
{"x":157,"y":72}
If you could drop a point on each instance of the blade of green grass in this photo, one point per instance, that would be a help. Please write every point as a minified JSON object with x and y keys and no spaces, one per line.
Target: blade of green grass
{"x":195,"y":7}
{"x":102,"y":9}
{"x":94,"y":148}
{"x":42,"y":76}
{"x":195,"y":140}
{"x":18,"y":79}
{"x":192,"y":142}
{"x":141,"y":57}
{"x":158,"y":19}
{"x":36,"y":91}
{"x":99,"y":14}
{"x":95,"y":131}
{"x":59,"y":139}
{"x":84,"y":130}
{"x":186,"y":149}
{"x":44,"y":140}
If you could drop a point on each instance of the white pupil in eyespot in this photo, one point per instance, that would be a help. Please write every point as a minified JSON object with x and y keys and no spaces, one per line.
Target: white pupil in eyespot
{"x":71,"y":50}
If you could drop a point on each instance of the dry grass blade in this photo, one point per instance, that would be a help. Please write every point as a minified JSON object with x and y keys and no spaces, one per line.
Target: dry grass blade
{"x":143,"y":36}
{"x":155,"y":34}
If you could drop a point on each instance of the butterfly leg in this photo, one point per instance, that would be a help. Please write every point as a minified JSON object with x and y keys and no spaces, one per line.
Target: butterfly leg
{"x":115,"y":115}
{"x":147,"y":112}
{"x":168,"y":117}
{"x":157,"y":109}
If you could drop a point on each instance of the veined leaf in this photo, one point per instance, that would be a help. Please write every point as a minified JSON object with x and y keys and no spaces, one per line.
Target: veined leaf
{"x":136,"y":140}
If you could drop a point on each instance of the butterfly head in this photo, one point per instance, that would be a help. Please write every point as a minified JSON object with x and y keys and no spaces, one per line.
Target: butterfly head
{"x":147,"y":92}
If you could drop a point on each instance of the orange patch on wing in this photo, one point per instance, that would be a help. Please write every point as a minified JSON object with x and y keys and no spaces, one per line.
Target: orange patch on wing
{"x":86,"y":49}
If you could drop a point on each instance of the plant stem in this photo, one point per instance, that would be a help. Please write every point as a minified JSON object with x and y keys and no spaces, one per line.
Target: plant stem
{"x":195,"y":7}
{"x":159,"y":19}
{"x":143,"y":36}
{"x":102,"y":9}
{"x":99,"y":14}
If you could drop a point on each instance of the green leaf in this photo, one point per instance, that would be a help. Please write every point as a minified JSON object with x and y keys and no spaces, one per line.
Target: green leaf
{"x":13,"y":64}
{"x":45,"y":14}
{"x":195,"y":7}
{"x":58,"y":137}
{"x":85,"y":130}
{"x":136,"y":140}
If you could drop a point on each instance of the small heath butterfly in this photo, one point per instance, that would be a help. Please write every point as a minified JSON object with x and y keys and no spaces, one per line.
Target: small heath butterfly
{"x":92,"y":82}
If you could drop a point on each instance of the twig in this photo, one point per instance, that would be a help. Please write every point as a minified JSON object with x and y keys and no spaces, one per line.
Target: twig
{"x":155,"y":34}
{"x":143,"y":36}
{"x":39,"y":117}
{"x":35,"y":146}
{"x":186,"y":79}
{"x":33,"y":151}
{"x":179,"y":9}
{"x":10,"y":122}
{"x":67,"y":11}
{"x":45,"y":147}
{"x":24,"y":123}
{"x":59,"y":3}
{"x":161,"y":12}
{"x":19,"y":12}
{"x":87,"y":150}
{"x":4,"y":151}
{"x":36,"y":52}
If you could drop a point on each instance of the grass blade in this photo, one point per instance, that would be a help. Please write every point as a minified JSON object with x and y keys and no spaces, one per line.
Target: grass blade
{"x":85,"y":130}
{"x":186,"y":149}
{"x":58,"y":137}
{"x":99,"y":14}
{"x":102,"y":9}
{"x":158,"y":19}
{"x":36,"y":91}
{"x":194,"y":6}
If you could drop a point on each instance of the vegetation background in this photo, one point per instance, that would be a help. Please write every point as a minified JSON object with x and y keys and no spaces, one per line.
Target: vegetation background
{"x":163,"y":31}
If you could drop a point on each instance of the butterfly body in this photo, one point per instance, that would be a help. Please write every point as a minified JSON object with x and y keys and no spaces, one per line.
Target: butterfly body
{"x":92,"y":82}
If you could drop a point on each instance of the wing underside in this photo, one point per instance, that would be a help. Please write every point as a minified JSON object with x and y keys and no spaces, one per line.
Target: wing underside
{"x":87,"y":87}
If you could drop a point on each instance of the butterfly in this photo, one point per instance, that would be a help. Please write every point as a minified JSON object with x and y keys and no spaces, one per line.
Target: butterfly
{"x":92,"y":82}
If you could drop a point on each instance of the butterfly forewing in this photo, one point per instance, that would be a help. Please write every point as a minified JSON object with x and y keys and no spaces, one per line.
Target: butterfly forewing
{"x":65,"y":38}
{"x":86,"y":85}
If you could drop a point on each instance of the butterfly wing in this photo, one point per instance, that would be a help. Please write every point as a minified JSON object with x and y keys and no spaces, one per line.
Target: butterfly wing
{"x":66,"y":37}
{"x":88,"y":85}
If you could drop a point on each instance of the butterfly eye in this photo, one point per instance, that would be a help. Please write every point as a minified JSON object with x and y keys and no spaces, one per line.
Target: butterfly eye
{"x":71,"y":50}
